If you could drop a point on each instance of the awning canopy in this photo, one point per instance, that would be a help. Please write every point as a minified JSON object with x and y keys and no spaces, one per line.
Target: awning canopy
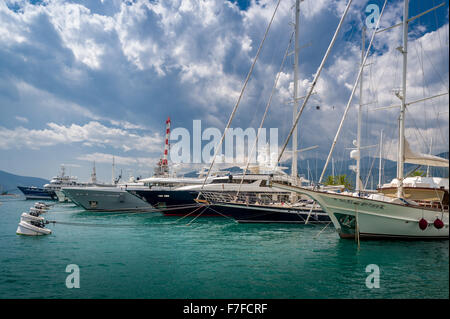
{"x":423,"y":159}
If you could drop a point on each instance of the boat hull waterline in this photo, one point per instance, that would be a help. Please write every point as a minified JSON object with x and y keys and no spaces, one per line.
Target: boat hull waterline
{"x":377,"y":219}
{"x":243,"y":213}
{"x":182,"y":203}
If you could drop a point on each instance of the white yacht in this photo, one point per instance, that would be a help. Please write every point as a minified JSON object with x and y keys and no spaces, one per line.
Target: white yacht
{"x":110,"y":198}
{"x":59,"y":181}
{"x":116,"y":198}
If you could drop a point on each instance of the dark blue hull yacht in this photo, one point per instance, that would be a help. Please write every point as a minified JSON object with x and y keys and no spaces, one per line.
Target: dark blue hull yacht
{"x":37,"y":193}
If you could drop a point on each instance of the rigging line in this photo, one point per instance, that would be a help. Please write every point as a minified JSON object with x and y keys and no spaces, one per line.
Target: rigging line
{"x":353,"y":91}
{"x":101,"y":225}
{"x":315,"y":237}
{"x":438,"y":73}
{"x":427,"y":86}
{"x":316,"y":77}
{"x":417,"y":132}
{"x":188,"y":224}
{"x":424,"y":83}
{"x":371,"y":167}
{"x":189,"y":213}
{"x":260,"y":96}
{"x":269,"y":102}
{"x":437,"y":31}
{"x":239,"y":99}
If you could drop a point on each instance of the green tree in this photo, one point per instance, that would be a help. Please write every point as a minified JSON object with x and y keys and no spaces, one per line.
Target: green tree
{"x":330,"y":180}
{"x":418,"y":173}
{"x":338,"y":180}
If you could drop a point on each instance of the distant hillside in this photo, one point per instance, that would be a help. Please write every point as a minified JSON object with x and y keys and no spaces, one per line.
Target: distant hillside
{"x":9,"y":182}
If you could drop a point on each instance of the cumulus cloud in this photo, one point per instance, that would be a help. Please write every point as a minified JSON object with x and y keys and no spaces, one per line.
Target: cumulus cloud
{"x":120,"y":160}
{"x":121,"y":67}
{"x":90,"y":134}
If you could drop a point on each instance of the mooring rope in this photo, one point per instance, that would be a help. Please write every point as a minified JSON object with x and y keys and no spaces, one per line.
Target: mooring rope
{"x":315,"y":237}
{"x":99,"y":224}
{"x":188,"y":214}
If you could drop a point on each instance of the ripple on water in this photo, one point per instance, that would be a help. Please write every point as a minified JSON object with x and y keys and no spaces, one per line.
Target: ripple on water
{"x":156,"y":257}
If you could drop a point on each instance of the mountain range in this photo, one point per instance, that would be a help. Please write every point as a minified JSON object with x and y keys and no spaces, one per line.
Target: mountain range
{"x":9,"y":182}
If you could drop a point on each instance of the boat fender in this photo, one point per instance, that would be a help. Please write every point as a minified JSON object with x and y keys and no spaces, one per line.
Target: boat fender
{"x":438,"y":223}
{"x":423,"y":224}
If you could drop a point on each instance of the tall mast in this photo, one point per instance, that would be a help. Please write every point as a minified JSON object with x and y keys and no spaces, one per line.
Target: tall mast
{"x":380,"y":158}
{"x":94,"y":175}
{"x":309,"y":180}
{"x":295,"y":111}
{"x":332,"y":167}
{"x":165,"y":167}
{"x":401,"y":153}
{"x":358,"y":138}
{"x":431,"y":150}
{"x":113,"y":172}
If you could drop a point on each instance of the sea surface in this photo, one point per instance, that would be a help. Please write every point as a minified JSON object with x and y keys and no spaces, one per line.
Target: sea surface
{"x":148,"y":255}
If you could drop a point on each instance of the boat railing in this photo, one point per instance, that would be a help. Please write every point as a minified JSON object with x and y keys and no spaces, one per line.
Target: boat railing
{"x":259,"y":198}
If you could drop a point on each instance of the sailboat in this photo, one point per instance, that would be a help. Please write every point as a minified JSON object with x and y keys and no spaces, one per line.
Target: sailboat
{"x":249,"y":208}
{"x":378,"y":215}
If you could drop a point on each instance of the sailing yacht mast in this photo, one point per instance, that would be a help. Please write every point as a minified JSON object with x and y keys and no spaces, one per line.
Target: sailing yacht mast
{"x":431,"y":149}
{"x":358,"y":138}
{"x":113,"y":173}
{"x":380,"y":158}
{"x":294,"y":169}
{"x":401,"y":153}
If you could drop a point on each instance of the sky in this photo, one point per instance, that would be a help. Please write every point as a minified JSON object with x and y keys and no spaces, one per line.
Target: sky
{"x":83,"y":81}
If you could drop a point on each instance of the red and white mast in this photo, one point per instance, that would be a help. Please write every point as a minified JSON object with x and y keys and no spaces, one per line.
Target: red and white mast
{"x":163,"y":167}
{"x":166,"y":146}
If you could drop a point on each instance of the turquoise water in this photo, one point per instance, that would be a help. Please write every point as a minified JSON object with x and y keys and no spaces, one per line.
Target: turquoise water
{"x":153,"y":256}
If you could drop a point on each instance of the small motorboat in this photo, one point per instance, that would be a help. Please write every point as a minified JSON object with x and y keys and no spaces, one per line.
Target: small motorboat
{"x":32,"y":228}
{"x":37,"y":210}
{"x":40,"y":205}
{"x":28,"y":217}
